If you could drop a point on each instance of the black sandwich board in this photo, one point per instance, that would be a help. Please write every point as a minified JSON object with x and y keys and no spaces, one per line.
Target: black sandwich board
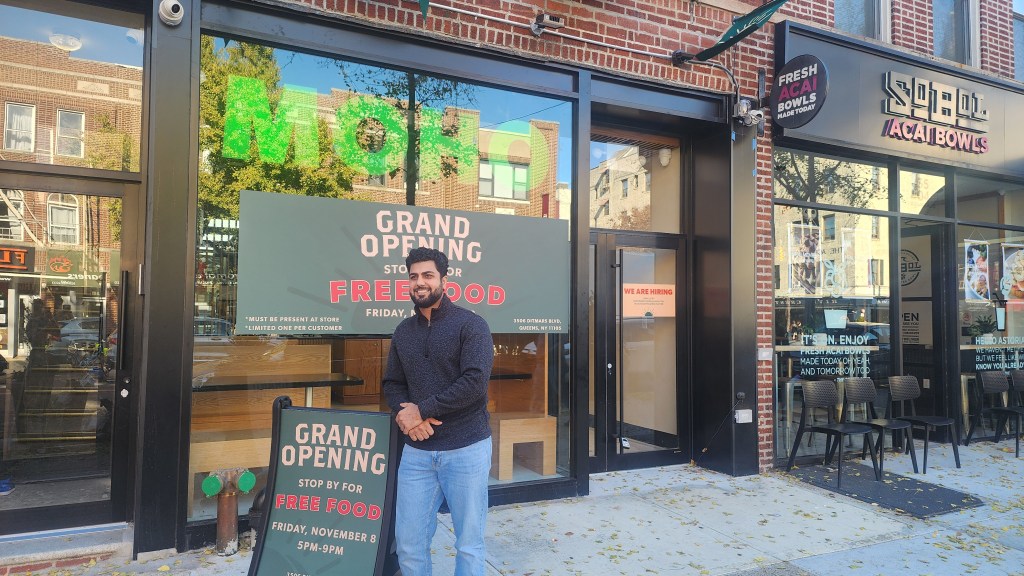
{"x":329,"y":495}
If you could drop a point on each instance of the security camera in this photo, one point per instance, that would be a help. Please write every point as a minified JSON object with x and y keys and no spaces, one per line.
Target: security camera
{"x":544,"y":21}
{"x":171,"y":12}
{"x":756,"y":117}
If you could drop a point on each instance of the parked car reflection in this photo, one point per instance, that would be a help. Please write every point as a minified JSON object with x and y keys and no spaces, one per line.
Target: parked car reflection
{"x":205,"y":328}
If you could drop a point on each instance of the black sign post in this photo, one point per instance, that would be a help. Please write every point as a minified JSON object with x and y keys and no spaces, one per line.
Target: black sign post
{"x":329,"y":495}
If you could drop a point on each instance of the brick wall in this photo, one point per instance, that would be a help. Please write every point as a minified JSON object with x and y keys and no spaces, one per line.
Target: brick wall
{"x":997,"y":37}
{"x":912,"y":25}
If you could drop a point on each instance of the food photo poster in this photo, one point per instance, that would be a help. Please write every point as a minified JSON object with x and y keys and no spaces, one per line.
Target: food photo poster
{"x":976,"y":284}
{"x":1013,"y":271}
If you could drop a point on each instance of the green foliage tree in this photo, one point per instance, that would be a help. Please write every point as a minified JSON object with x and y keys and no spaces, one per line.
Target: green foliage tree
{"x":408,"y":91}
{"x":811,"y":178}
{"x":221,"y":179}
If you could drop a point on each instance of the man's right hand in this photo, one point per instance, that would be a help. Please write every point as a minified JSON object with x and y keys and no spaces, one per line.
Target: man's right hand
{"x":424,"y":430}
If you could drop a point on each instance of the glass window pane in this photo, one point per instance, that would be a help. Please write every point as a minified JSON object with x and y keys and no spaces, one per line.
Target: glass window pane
{"x":19,"y":127}
{"x":88,"y":57}
{"x":949,"y":29}
{"x":60,"y":315}
{"x":827,"y":180}
{"x":70,"y":133}
{"x":1018,"y":45}
{"x":615,"y":159}
{"x":985,"y":200}
{"x":293,"y":123}
{"x":831,"y":306}
{"x":856,"y":17}
{"x":12,"y":213}
{"x":922,"y":193}
{"x":990,"y":284}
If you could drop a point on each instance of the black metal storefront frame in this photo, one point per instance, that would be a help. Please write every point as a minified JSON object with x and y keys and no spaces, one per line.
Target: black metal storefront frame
{"x":173,"y":94}
{"x":950,"y":399}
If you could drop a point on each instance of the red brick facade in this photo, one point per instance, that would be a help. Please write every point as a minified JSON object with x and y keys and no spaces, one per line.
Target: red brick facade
{"x":659,"y":27}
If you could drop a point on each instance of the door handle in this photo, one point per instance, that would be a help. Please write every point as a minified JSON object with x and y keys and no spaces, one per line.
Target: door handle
{"x":121,"y":313}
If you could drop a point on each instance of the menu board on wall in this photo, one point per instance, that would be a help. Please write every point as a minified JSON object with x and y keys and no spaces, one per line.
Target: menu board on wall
{"x":310,"y":265}
{"x":329,"y":493}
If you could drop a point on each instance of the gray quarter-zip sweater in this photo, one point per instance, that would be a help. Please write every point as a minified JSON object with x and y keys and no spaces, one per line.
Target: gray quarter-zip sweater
{"x":443,"y":366}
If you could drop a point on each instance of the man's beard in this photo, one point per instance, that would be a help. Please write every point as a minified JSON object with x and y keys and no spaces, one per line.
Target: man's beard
{"x":429,"y":300}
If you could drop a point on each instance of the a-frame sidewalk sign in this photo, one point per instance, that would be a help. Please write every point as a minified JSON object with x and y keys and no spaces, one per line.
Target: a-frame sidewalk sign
{"x":329,"y":495}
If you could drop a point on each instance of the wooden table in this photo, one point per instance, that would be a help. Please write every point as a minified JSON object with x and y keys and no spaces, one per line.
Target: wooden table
{"x":240,"y":438}
{"x":274,"y":382}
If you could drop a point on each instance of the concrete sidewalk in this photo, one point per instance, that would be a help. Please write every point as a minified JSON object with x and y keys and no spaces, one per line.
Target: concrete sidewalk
{"x":686,"y":520}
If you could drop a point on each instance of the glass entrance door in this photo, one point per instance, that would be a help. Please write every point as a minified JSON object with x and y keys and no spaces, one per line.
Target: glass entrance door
{"x":60,"y":326}
{"x":924,"y":307}
{"x":636,"y":308}
{"x":70,"y":175}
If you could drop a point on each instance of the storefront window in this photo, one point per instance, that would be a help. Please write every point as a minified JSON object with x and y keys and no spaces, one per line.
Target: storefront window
{"x":825,"y":180}
{"x":344,"y":165}
{"x":831,"y":307}
{"x":985,"y":200}
{"x":73,"y":86}
{"x":619,"y":198}
{"x":990,"y":277}
{"x":922,"y":193}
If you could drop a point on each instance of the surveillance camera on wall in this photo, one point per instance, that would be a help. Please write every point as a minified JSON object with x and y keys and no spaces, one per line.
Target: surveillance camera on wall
{"x":755,"y":117}
{"x":550,"y":21}
{"x":545,"y":21}
{"x":171,"y":12}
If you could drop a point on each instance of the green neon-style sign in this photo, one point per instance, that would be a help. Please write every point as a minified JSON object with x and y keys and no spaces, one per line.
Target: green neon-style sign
{"x":248,"y":113}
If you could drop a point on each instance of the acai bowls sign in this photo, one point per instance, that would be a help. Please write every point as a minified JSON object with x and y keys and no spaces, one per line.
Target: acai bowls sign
{"x":799,"y":92}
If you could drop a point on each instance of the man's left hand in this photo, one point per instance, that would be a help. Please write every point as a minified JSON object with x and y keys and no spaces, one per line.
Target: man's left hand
{"x":408,"y":417}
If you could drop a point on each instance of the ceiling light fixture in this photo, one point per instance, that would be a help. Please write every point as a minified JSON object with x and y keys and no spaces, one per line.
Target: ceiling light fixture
{"x":664,"y":157}
{"x":66,"y":42}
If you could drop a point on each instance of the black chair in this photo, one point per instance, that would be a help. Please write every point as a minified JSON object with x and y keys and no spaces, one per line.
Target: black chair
{"x":995,"y":382}
{"x":823,"y":394}
{"x":862,"y":391}
{"x":1016,"y":387}
{"x":904,"y":388}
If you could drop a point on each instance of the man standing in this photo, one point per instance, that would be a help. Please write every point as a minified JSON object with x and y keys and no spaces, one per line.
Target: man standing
{"x":436,"y":384}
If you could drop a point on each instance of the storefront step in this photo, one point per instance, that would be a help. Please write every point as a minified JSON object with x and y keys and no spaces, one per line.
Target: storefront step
{"x":41,"y":552}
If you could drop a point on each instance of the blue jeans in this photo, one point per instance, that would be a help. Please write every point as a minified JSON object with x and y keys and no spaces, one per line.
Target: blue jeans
{"x":424,"y":478}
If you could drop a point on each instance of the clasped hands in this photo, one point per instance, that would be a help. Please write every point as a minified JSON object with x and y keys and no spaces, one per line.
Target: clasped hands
{"x":413,"y":425}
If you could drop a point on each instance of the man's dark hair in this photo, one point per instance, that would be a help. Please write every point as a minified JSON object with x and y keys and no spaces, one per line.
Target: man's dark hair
{"x":428,"y":254}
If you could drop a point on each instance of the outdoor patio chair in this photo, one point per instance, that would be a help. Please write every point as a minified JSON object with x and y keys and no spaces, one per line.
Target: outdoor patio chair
{"x":1016,"y":388}
{"x":862,"y":391}
{"x":904,"y":388}
{"x":823,"y":394}
{"x":995,"y":382}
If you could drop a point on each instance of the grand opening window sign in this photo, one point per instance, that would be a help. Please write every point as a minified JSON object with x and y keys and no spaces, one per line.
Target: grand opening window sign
{"x":338,"y":267}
